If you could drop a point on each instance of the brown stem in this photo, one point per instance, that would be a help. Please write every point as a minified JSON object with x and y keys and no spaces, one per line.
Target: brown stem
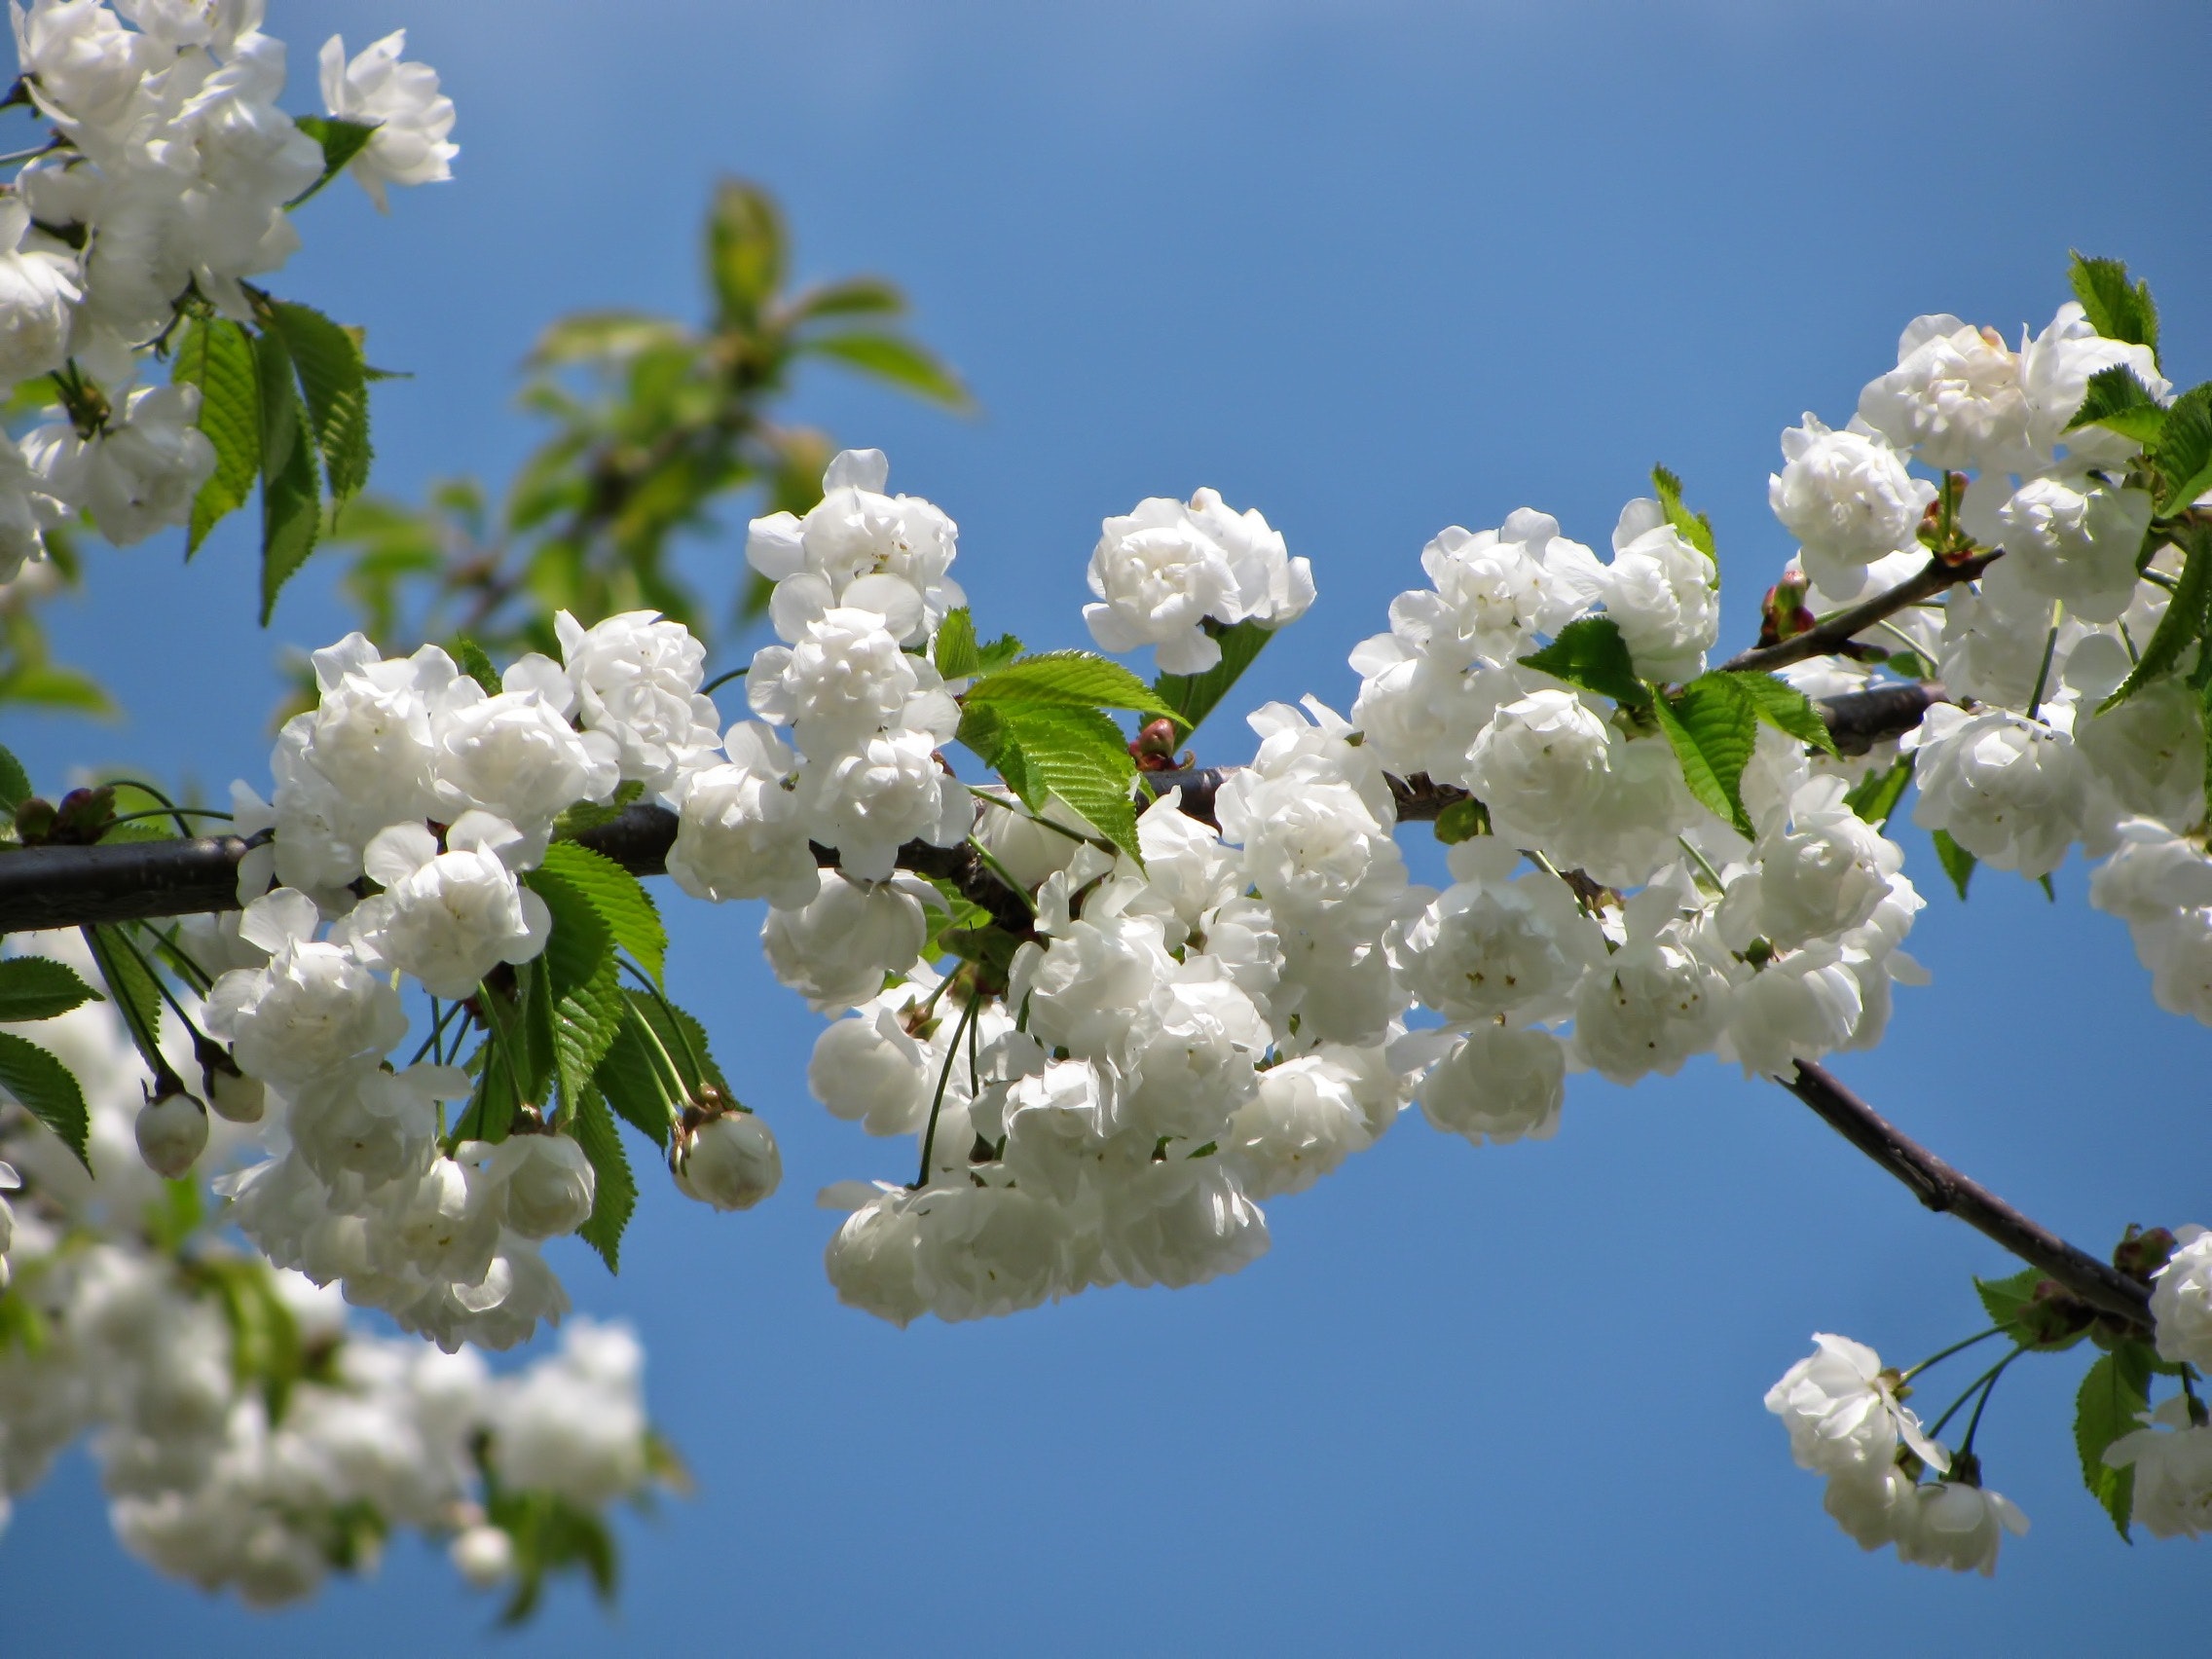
{"x":1940,"y":1187}
{"x":1827,"y":637}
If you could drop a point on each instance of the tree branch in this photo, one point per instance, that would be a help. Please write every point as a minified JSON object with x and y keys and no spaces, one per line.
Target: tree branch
{"x":1940,"y":1187}
{"x":1825,"y":637}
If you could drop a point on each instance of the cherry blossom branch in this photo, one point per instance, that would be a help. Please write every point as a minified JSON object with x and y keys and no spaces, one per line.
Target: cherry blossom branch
{"x":1825,"y":637}
{"x":1939,"y":1186}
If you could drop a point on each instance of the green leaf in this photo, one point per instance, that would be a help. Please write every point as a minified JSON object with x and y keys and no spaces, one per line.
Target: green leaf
{"x":476,"y":664}
{"x":2005,"y":1298}
{"x":1712,"y":725}
{"x":1463,"y":820}
{"x":1590,"y":654}
{"x":2116,"y":308}
{"x":2182,"y":457}
{"x":955,"y":650}
{"x":586,"y":814}
{"x":1875,"y":796}
{"x":216,"y":355}
{"x":620,"y":899}
{"x":1193,"y":696}
{"x":1693,"y":527}
{"x":37,"y":987}
{"x":2117,"y":399}
{"x":133,"y":986}
{"x":2184,"y":620}
{"x":1958,"y":864}
{"x":1076,"y":680}
{"x":2115,"y":1389}
{"x":43,"y":1087}
{"x":745,"y":252}
{"x":1068,"y":751}
{"x":334,"y":377}
{"x":617,"y":1189}
{"x":15,"y":782}
{"x":896,"y":361}
{"x":265,"y":1352}
{"x":851,"y":296}
{"x":582,"y":1000}
{"x":626,"y":1076}
{"x":340,"y":140}
{"x":685,"y":1041}
{"x":1781,"y":706}
{"x":291,"y":494}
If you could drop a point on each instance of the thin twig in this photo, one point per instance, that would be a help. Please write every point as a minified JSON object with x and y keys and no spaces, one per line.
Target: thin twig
{"x":1825,"y":636}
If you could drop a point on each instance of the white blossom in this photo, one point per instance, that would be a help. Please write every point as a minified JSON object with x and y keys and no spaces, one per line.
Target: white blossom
{"x":2181,"y":1300}
{"x":411,"y":116}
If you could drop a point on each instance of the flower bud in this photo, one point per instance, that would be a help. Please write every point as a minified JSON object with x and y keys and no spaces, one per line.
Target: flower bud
{"x":729,"y":1162}
{"x":549,"y":1185}
{"x":172,"y":1131}
{"x":482,"y":1555}
{"x":233,"y":1096}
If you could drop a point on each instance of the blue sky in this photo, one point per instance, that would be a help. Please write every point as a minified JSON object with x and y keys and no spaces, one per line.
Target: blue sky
{"x":1374,"y":269}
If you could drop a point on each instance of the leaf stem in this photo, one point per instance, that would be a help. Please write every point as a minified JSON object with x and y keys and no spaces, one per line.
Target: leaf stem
{"x":1946,"y":1353}
{"x":1981,"y":1404}
{"x":1979,"y":1383}
{"x":708,"y":689}
{"x":2050,"y":650}
{"x":943,"y":1076}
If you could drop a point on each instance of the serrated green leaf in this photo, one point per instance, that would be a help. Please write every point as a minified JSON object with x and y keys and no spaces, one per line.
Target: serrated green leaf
{"x":291,"y":492}
{"x":1781,"y":706}
{"x":1076,"y":753}
{"x":2003,"y":1299}
{"x":2116,"y":308}
{"x":1590,"y":654}
{"x":37,"y":987}
{"x":1193,"y":696}
{"x":44,"y":1088}
{"x":1958,"y":864}
{"x":15,"y":782}
{"x":476,"y":664}
{"x":332,"y":377}
{"x":2182,"y":457}
{"x":216,"y":355}
{"x":955,"y":651}
{"x":2184,"y":620}
{"x":2116,"y":1389}
{"x":1693,"y":527}
{"x":895,"y":361}
{"x":592,"y":1126}
{"x":1076,"y":680}
{"x":2117,"y":399}
{"x":630,"y":1079}
{"x":1714,"y":726}
{"x":582,"y":1002}
{"x":340,"y":140}
{"x":129,"y":983}
{"x":1875,"y":796}
{"x":1463,"y":820}
{"x":685,"y":1041}
{"x":620,"y":900}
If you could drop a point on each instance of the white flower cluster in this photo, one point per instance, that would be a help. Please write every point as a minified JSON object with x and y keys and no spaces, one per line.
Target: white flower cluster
{"x":1763,"y":951}
{"x":247,"y":1437}
{"x":442,"y":792}
{"x":171,"y":177}
{"x":1165,"y":571}
{"x":1846,"y":1422}
{"x":2030,"y":764}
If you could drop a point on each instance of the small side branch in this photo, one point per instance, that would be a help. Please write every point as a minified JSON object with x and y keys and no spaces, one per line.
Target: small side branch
{"x":1825,"y":638}
{"x":1940,"y":1187}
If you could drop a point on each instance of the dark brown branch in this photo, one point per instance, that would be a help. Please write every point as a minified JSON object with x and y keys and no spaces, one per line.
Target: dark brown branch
{"x":128,"y":881}
{"x":1940,"y":1187}
{"x":1825,"y":637}
{"x":1860,"y":719}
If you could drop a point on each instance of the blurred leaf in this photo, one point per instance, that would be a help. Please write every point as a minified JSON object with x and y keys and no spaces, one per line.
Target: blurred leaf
{"x":1463,"y":820}
{"x":46,"y":685}
{"x":854,"y":296}
{"x":592,"y":335}
{"x":340,"y":140}
{"x":1958,"y":864}
{"x":1875,"y":796}
{"x":896,"y":361}
{"x":745,"y":250}
{"x":216,"y":355}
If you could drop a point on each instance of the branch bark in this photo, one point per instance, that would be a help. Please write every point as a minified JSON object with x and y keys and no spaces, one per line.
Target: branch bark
{"x":1823,"y":638}
{"x":1939,"y":1186}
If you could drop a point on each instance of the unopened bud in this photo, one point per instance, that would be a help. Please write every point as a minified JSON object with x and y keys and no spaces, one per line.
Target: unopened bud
{"x":172,"y":1132}
{"x":729,"y":1162}
{"x":233,"y":1095}
{"x":482,"y":1555}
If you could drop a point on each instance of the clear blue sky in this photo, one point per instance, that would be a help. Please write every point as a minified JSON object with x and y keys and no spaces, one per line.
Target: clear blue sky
{"x":1375,"y":268}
